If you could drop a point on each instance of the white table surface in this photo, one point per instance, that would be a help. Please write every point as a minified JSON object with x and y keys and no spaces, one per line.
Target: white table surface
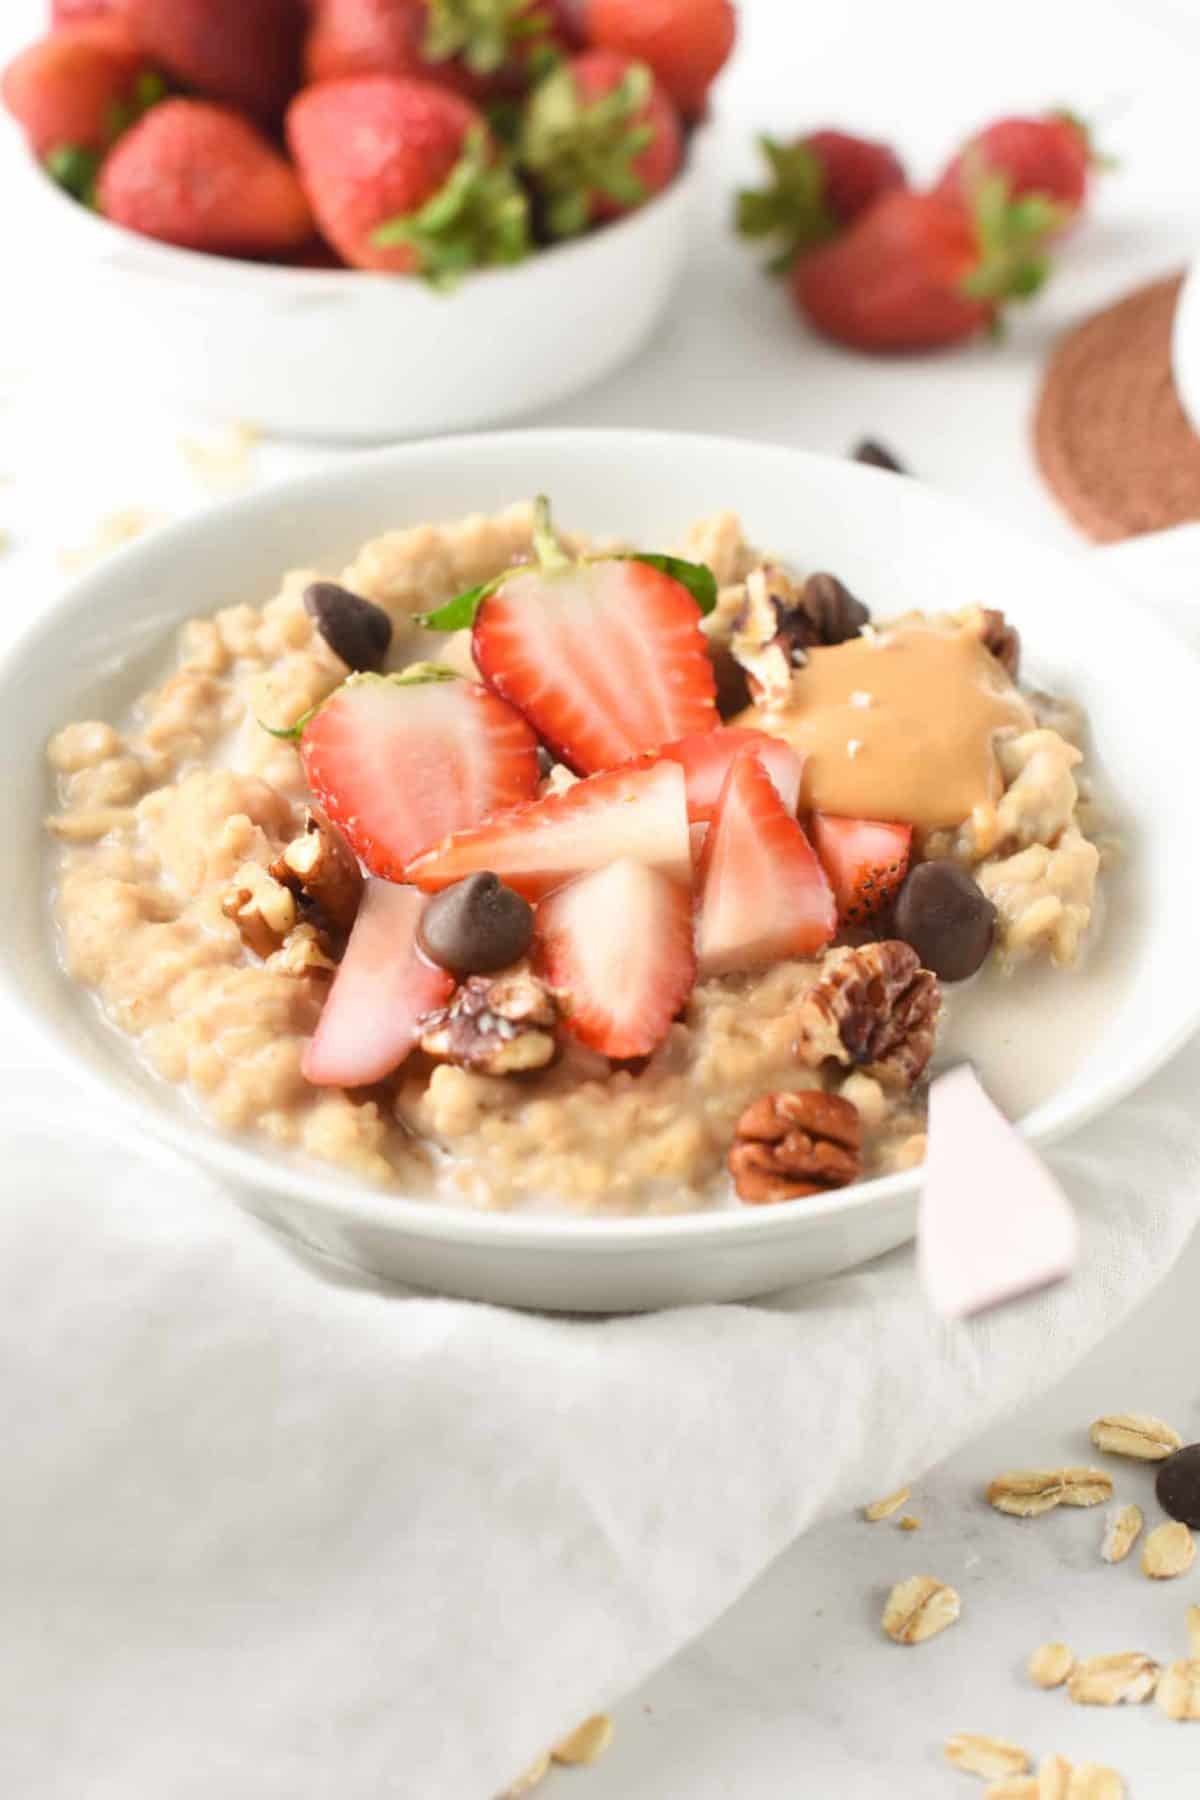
{"x":795,"y":1692}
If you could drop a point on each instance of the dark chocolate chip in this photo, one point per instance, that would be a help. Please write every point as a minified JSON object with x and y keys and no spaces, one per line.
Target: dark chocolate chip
{"x":476,"y":926}
{"x":948,"y":920}
{"x":733,"y":687}
{"x":833,"y":612}
{"x":355,"y":629}
{"x":877,"y":456}
{"x":1177,"y":1485}
{"x":546,"y":761}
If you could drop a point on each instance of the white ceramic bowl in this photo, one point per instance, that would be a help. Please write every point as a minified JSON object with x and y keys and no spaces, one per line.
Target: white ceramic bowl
{"x":346,"y":355}
{"x":895,"y":542}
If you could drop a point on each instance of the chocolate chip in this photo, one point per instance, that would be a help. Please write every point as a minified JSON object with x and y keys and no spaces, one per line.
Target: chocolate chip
{"x":476,"y":926}
{"x":948,"y":920}
{"x":1178,"y":1485}
{"x":877,"y":456}
{"x":355,"y":629}
{"x":733,"y":688}
{"x":546,"y":761}
{"x":833,"y":612}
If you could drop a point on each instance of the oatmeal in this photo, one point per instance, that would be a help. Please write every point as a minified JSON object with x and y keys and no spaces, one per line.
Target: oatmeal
{"x":669,"y":962}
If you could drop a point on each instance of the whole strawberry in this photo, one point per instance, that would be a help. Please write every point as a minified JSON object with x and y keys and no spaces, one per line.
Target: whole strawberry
{"x":1052,"y":157}
{"x":686,"y":42}
{"x":403,"y":175}
{"x":481,"y":48}
{"x":203,"y":177}
{"x":73,"y":92}
{"x":245,"y":53}
{"x":919,"y":271}
{"x":819,"y":184}
{"x":599,"y":138}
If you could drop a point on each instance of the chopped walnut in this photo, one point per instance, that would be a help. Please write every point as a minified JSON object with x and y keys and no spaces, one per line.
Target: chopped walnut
{"x":779,"y":623}
{"x":320,"y":866}
{"x":874,"y":1007}
{"x":790,"y":1145}
{"x":263,"y":910}
{"x":302,"y":953}
{"x":495,"y":1024}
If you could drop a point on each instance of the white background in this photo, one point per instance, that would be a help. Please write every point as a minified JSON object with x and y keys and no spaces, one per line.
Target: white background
{"x":794,"y":1692}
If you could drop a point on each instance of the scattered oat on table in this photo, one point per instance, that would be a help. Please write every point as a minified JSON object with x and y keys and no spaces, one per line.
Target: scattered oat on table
{"x":1012,"y":1787}
{"x":1050,"y":1664}
{"x":1179,"y":1690}
{"x":919,"y":1608}
{"x":1054,"y":1778}
{"x":1126,"y":1679}
{"x":987,"y":1756}
{"x":525,"y":1784}
{"x":587,"y":1743}
{"x":1193,"y":1630}
{"x":1170,"y":1550}
{"x":1139,"y":1435}
{"x":883,"y":1509}
{"x":909,"y":1522}
{"x":1026,"y":1493}
{"x":224,"y":461}
{"x":1093,"y":1781}
{"x":111,"y":533}
{"x":1122,"y":1533}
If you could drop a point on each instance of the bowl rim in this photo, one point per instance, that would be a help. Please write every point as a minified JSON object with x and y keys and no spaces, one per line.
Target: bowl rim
{"x":131,"y":253}
{"x":198,"y":1140}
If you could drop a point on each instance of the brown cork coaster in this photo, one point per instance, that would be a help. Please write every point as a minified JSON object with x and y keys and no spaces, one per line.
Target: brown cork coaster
{"x":1109,"y":432}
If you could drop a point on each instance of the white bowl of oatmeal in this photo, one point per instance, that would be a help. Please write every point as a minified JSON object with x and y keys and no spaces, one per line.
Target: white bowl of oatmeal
{"x":583,"y":1180}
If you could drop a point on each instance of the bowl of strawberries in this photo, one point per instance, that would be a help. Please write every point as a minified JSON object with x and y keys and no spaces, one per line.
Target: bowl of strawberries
{"x":361,"y":219}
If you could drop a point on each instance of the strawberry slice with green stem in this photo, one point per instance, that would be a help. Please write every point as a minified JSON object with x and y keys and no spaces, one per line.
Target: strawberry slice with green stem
{"x":763,"y":895}
{"x":603,"y":655}
{"x":638,"y":812}
{"x":616,"y":945}
{"x":383,"y":988}
{"x":399,"y":761}
{"x":866,"y":861}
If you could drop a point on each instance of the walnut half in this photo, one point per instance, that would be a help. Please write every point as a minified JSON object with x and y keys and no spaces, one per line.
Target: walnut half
{"x":320,"y":866}
{"x":875,"y":1008}
{"x":495,"y":1024}
{"x":262,"y":909}
{"x":790,"y":1145}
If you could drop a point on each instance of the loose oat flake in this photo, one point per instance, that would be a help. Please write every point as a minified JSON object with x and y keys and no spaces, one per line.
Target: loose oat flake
{"x":1050,"y":1664}
{"x":1054,"y":1778}
{"x":909,"y":1522}
{"x":1012,"y":1787}
{"x":1138,"y":1435}
{"x":883,"y":1509}
{"x":1193,"y":1630}
{"x":1170,"y":1550}
{"x":987,"y":1756}
{"x":587,"y":1743}
{"x":533,"y":1775}
{"x":1124,"y":1529}
{"x":1125,"y":1679}
{"x":1092,"y":1781}
{"x":1026,"y":1493}
{"x":919,"y":1608}
{"x":1179,"y":1690}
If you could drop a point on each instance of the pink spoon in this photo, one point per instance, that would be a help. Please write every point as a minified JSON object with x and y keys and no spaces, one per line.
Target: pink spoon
{"x":993,"y":1222}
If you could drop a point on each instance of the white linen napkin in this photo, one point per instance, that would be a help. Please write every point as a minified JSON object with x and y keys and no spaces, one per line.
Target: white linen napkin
{"x":269,"y":1530}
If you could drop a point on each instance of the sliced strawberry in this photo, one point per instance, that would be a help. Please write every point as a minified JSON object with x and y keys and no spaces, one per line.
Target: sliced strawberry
{"x":705,"y":759}
{"x":397,"y":765}
{"x":618,"y":944}
{"x":382,"y":988}
{"x":763,"y":894}
{"x":865,"y":860}
{"x":639,"y":812}
{"x":605,"y":659}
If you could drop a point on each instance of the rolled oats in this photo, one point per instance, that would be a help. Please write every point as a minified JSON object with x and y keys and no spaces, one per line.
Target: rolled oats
{"x":1193,"y":1630}
{"x":909,"y":1522}
{"x":1054,"y":1778}
{"x":1170,"y":1550}
{"x":1092,"y":1781}
{"x":1026,"y":1493}
{"x":987,"y":1756}
{"x":1138,"y":1435}
{"x":1122,"y":1533}
{"x":919,"y":1608}
{"x":1125,"y":1679}
{"x":1179,"y":1690}
{"x":529,"y":1779}
{"x":587,"y":1743}
{"x":1050,"y":1664}
{"x":883,"y":1509}
{"x":1012,"y":1787}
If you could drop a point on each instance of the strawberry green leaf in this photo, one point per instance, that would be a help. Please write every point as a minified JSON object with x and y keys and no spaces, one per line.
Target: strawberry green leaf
{"x":575,"y":149}
{"x":74,"y":169}
{"x":697,"y":578}
{"x":149,"y":89}
{"x":483,"y":33}
{"x":791,"y":209}
{"x":459,"y":613}
{"x":416,"y":675}
{"x":477,"y":218}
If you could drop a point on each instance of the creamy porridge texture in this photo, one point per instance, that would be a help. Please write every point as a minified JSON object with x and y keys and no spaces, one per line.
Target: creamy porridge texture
{"x":214,"y":908}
